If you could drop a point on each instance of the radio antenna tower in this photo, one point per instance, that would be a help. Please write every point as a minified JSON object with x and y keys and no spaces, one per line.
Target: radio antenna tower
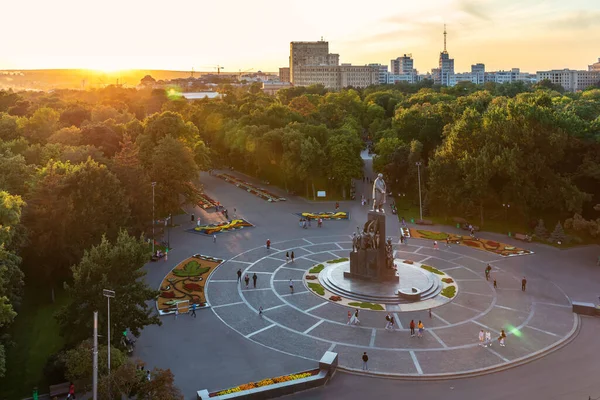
{"x":445,"y":38}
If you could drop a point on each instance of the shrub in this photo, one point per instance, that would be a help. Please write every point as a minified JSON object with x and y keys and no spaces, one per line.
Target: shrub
{"x":540,"y":229}
{"x":432,"y":270}
{"x":370,"y":306}
{"x":317,"y":269}
{"x":449,"y":292}
{"x":447,"y":280}
{"x":338,"y":260}
{"x":317,"y":288}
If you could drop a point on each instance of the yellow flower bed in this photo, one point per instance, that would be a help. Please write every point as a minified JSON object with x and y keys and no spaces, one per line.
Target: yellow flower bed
{"x":264,"y":382}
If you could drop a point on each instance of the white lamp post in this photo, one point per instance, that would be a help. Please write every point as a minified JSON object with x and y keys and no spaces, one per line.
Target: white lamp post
{"x":418,"y":164}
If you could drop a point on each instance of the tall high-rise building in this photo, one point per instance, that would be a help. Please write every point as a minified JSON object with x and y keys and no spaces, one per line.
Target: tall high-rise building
{"x":311,"y":53}
{"x":402,"y":65}
{"x":445,"y":71}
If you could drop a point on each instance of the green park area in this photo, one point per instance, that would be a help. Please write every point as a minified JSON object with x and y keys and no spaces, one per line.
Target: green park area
{"x":83,"y":172}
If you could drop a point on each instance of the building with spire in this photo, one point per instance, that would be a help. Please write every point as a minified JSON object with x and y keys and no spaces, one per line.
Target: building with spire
{"x":444,"y":74}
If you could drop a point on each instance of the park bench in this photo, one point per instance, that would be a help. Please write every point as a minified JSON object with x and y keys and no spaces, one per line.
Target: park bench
{"x":525,"y":238}
{"x":59,"y":390}
{"x":424,"y":222}
{"x":466,"y":227}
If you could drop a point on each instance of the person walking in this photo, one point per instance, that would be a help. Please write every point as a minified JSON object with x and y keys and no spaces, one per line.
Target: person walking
{"x":176,"y":311}
{"x":247,"y":280}
{"x":435,"y":245}
{"x":495,"y":284}
{"x":214,"y":238}
{"x":488,"y":269}
{"x":254,"y":278}
{"x":405,"y":239}
{"x":194,"y":310}
{"x":421,"y":329}
{"x":320,"y":222}
{"x":192,"y":218}
{"x":448,"y":241}
{"x":287,"y":257}
{"x":488,"y":339}
{"x":304,"y":225}
{"x":401,"y":238}
{"x":260,"y":311}
{"x":501,"y":338}
{"x":354,"y":320}
{"x":523,"y":284}
{"x":337,"y":205}
{"x":291,"y":286}
{"x":349,"y":317}
{"x":71,"y":395}
{"x":234,"y":212}
{"x":412,"y":328}
{"x":365,"y":360}
{"x":481,"y":337}
{"x":392,"y":322}
{"x":388,"y":318}
{"x":239,"y":274}
{"x":148,"y":377}
{"x":198,"y":223}
{"x":268,"y":244}
{"x":429,"y":311}
{"x":292,"y":256}
{"x":403,"y":222}
{"x":308,"y":222}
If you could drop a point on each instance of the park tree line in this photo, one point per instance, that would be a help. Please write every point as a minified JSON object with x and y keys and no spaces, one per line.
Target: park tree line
{"x":76,"y":167}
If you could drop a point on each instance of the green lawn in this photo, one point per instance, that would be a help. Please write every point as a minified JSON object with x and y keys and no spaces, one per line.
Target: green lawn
{"x":35,"y":335}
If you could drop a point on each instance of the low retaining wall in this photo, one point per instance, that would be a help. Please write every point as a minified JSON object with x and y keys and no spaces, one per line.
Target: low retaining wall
{"x":585,"y":308}
{"x":327,"y":366}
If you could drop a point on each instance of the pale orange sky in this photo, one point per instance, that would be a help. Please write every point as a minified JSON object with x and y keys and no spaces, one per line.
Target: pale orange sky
{"x":181,"y":34}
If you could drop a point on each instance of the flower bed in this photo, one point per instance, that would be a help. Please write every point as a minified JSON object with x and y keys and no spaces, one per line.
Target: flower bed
{"x":185,"y":283}
{"x":250,"y":188}
{"x":265,"y":382}
{"x":317,"y":269}
{"x":222,"y":227}
{"x":206,"y":201}
{"x":317,"y":288}
{"x":336,"y":216}
{"x":449,"y":292}
{"x":370,"y":306}
{"x":338,"y":260}
{"x":481,"y":244}
{"x":433,"y":270}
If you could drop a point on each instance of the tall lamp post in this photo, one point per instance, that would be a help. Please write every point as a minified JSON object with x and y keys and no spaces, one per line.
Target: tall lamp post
{"x":95,"y":359}
{"x":506,"y":207}
{"x":153,"y":185}
{"x":108,"y":294}
{"x":418,"y":164}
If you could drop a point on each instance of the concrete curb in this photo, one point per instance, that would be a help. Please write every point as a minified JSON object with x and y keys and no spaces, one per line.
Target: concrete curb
{"x":476,"y":372}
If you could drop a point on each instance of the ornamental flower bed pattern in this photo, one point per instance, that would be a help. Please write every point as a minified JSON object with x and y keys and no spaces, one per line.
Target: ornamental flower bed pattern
{"x":205,"y":201}
{"x":265,"y":382}
{"x":250,"y":188}
{"x":481,"y":244}
{"x":186,"y":282}
{"x":326,"y":216}
{"x":228,"y":226}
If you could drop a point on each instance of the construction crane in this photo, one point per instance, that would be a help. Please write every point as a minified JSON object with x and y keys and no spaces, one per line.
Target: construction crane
{"x":217,"y":67}
{"x":240,"y":76}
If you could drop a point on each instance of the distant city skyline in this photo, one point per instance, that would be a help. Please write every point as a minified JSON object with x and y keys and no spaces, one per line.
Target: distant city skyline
{"x":527,"y":34}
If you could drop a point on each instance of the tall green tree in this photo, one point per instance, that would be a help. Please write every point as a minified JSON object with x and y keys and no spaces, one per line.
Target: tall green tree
{"x":70,"y":208}
{"x":109,"y":265}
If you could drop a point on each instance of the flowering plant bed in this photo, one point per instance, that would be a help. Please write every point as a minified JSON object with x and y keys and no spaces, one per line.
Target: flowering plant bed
{"x":205,"y":201}
{"x":185,"y":283}
{"x":265,"y":382}
{"x":222,"y":227}
{"x":476,"y":243}
{"x":250,"y":188}
{"x":336,"y":216}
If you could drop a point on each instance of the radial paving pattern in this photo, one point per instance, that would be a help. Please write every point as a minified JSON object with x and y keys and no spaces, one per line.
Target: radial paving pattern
{"x":305,"y":325}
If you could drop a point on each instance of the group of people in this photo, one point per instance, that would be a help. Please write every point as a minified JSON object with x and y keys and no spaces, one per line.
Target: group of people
{"x":304,"y":223}
{"x":485,"y":338}
{"x":419,"y":326}
{"x":247,"y":278}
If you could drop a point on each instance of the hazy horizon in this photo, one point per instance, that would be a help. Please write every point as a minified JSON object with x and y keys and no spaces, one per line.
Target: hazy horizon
{"x":529,"y":34}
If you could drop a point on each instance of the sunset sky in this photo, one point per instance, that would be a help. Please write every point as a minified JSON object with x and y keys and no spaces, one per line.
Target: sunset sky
{"x":181,"y":34}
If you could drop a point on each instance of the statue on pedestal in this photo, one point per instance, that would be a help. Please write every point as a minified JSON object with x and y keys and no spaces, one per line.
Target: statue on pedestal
{"x":379,"y":193}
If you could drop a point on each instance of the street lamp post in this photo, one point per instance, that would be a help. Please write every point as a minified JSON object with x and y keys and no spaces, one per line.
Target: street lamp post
{"x":153,"y":185}
{"x":506,"y":207}
{"x":95,"y":359}
{"x":418,"y":164}
{"x":108,"y":294}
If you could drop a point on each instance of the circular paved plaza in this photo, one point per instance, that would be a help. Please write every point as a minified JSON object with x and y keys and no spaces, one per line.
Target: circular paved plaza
{"x":305,"y":325}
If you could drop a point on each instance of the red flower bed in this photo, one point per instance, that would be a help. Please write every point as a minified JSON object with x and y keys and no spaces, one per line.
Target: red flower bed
{"x":335,"y":298}
{"x":471,"y":243}
{"x":168,"y":295}
{"x":192,"y":287}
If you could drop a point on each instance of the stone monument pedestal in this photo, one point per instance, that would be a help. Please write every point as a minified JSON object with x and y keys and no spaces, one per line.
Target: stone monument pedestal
{"x":371,"y":263}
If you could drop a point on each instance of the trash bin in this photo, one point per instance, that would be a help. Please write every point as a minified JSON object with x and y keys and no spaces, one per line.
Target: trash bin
{"x":457,"y":226}
{"x":35,"y":393}
{"x":509,"y":234}
{"x":412,"y":220}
